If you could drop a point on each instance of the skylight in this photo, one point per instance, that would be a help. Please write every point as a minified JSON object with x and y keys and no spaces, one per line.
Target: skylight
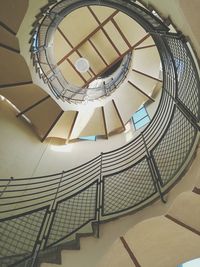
{"x":140,"y":118}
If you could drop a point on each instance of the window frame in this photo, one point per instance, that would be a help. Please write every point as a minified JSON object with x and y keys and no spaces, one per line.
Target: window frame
{"x":146,"y":116}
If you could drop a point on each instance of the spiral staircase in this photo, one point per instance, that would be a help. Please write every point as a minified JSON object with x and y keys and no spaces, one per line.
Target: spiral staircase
{"x":41,"y":216}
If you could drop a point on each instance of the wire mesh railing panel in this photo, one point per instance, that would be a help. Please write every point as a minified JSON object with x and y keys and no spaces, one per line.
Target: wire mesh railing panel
{"x":73,"y":213}
{"x":172,"y":151}
{"x":156,"y":129}
{"x":19,"y":235}
{"x":187,"y":76}
{"x":128,"y":188}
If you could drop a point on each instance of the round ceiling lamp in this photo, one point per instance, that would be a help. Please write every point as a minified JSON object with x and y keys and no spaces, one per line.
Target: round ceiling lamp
{"x":82,"y":65}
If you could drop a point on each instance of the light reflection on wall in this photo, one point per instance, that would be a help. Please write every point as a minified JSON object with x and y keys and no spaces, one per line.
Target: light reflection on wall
{"x":129,"y":132}
{"x":62,"y":149}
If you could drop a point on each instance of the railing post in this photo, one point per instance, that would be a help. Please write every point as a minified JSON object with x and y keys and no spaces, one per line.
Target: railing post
{"x":45,"y":228}
{"x":6,"y":186}
{"x":154,"y":171}
{"x":190,"y":117}
{"x":99,"y":206}
{"x":51,"y":213}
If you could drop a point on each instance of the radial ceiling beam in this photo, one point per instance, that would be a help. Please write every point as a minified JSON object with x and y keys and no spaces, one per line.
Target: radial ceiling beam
{"x":144,"y":47}
{"x":7,"y":28}
{"x":149,"y":76}
{"x":121,"y":33}
{"x":98,"y":53}
{"x":141,"y":91}
{"x":15,"y":84}
{"x":88,"y":37}
{"x":10,"y":48}
{"x":104,"y":122}
{"x":70,"y":44}
{"x":117,"y":60}
{"x":104,"y":31}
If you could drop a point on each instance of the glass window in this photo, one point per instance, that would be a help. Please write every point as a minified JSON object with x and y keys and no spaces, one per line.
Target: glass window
{"x":140,"y":118}
{"x":89,"y":138}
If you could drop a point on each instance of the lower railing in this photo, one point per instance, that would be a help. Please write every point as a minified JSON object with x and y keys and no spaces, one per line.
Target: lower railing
{"x":40,"y":212}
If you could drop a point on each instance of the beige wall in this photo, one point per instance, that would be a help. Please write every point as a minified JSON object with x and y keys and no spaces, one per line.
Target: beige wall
{"x":22,"y":154}
{"x":184,"y":14}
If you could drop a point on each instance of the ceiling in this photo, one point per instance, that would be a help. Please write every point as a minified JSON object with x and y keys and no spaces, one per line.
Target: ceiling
{"x":100,"y":34}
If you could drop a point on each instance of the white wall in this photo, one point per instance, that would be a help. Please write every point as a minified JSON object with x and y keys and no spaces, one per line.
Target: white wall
{"x":23,"y":155}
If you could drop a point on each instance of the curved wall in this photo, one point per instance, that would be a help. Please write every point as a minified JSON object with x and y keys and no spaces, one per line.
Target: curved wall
{"x":23,"y":155}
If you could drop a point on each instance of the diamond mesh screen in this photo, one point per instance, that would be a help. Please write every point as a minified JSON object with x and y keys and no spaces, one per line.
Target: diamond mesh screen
{"x":18,"y":236}
{"x":173,"y":150}
{"x":127,"y":188}
{"x":72,"y":213}
{"x":188,"y":81}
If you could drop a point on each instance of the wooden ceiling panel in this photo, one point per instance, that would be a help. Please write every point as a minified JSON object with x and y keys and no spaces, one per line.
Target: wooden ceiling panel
{"x":44,"y":116}
{"x":102,"y":12}
{"x":61,"y":47}
{"x":104,"y":47}
{"x":95,"y":125}
{"x":78,"y":25}
{"x":70,"y":74}
{"x":131,"y":29}
{"x":91,"y":55}
{"x":9,"y":39}
{"x":12,"y":13}
{"x":23,"y":96}
{"x":116,"y":37}
{"x":13,"y":68}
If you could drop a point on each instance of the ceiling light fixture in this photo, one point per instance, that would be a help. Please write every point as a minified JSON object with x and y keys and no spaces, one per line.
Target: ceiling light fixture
{"x":82,"y":65}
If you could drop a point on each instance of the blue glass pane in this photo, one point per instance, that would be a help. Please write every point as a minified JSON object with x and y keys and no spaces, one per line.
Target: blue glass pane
{"x":141,"y":123}
{"x":193,"y":263}
{"x":89,"y":138}
{"x":138,"y":115}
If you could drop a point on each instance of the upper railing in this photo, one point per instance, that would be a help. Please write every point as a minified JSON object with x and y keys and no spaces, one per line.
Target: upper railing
{"x":43,"y":50}
{"x":40,"y":212}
